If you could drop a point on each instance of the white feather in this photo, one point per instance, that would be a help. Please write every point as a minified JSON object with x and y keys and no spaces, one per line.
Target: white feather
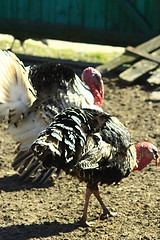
{"x":77,"y":95}
{"x":16,"y":91}
{"x":17,"y":96}
{"x":28,"y":130}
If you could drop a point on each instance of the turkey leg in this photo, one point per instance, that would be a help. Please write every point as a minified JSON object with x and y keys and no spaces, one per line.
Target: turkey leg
{"x":83,"y":221}
{"x":106,"y":212}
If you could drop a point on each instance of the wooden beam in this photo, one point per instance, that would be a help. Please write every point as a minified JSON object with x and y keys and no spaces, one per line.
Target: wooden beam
{"x":139,"y":68}
{"x":142,"y":54}
{"x":73,"y":33}
{"x":154,"y":79}
{"x":148,"y":46}
{"x":155,"y":96}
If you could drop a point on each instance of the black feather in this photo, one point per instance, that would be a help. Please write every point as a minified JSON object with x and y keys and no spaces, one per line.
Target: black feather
{"x":45,"y":74}
{"x":89,"y":144}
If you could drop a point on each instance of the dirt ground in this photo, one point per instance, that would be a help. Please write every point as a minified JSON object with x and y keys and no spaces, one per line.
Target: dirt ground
{"x":52,"y":212}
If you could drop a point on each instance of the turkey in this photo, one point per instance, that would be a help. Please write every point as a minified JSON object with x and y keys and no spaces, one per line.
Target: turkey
{"x":31,"y":97}
{"x":90,"y":145}
{"x":22,"y":39}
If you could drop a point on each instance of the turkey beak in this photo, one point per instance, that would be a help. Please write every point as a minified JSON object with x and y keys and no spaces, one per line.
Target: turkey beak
{"x":135,"y":167}
{"x":156,"y":157}
{"x":157,"y":161}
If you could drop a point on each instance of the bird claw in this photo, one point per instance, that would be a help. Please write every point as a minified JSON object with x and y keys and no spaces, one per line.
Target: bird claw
{"x":84,"y":223}
{"x":106,"y":214}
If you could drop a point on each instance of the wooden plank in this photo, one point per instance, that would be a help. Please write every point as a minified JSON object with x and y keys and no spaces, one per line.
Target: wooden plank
{"x":142,"y":54}
{"x":155,"y":96}
{"x":62,"y":12}
{"x":75,"y":12}
{"x":148,"y":46}
{"x":154,"y":79}
{"x":139,"y":68}
{"x":94,"y":14}
{"x":134,"y":15}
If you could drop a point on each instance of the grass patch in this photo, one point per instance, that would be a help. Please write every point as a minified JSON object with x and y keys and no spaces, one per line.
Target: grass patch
{"x":36,"y":48}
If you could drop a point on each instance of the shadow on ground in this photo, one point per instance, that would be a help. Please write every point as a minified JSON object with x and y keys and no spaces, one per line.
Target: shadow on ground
{"x":25,"y":232}
{"x":13,"y":183}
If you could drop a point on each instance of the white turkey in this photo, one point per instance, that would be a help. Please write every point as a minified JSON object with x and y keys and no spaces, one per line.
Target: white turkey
{"x":90,"y":145}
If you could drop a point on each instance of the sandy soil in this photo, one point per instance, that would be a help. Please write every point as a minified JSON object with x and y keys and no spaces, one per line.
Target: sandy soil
{"x":52,"y":212}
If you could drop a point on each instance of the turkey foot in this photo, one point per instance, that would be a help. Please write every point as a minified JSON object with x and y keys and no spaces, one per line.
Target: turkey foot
{"x":84,"y":223}
{"x":106,"y":213}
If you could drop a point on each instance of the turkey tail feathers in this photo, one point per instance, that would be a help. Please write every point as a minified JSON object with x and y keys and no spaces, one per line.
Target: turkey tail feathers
{"x":22,"y":158}
{"x":16,"y":91}
{"x":33,"y":166}
{"x":44,"y":176}
{"x":28,"y":165}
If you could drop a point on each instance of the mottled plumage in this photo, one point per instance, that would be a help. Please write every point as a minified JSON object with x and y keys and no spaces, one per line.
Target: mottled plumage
{"x":82,"y":142}
{"x":44,"y":75}
{"x":88,"y":144}
{"x":31,"y":97}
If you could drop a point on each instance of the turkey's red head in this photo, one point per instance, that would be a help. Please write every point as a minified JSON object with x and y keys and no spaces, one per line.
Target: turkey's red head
{"x":146,"y":152}
{"x":92,"y":78}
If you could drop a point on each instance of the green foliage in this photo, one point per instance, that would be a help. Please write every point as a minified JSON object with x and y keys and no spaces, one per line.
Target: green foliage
{"x":38,"y":49}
